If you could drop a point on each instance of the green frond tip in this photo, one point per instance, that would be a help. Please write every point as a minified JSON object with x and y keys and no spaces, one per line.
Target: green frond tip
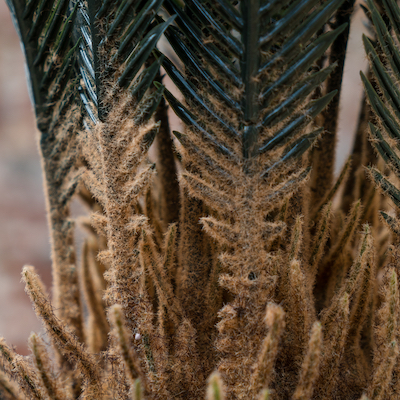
{"x":391,"y":222}
{"x":265,"y":395}
{"x":295,"y":150}
{"x":286,"y":134}
{"x":386,"y":82}
{"x":385,"y":150}
{"x":388,"y":188}
{"x":137,"y":390}
{"x":215,"y":389}
{"x":137,"y":58}
{"x":380,"y":109}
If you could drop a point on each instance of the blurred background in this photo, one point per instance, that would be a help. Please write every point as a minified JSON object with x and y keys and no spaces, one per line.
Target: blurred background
{"x":23,"y":226}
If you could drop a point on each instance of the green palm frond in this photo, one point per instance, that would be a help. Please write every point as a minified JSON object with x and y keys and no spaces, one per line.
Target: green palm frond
{"x":116,"y":41}
{"x":253,"y":61}
{"x":45,"y":29}
{"x":384,"y":95}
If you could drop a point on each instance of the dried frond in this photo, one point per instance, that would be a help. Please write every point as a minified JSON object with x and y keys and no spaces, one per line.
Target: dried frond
{"x":354,"y":278}
{"x":65,"y":341}
{"x":298,"y":308}
{"x":152,"y":262}
{"x":264,"y":367}
{"x":44,"y":369}
{"x":386,"y":352}
{"x":383,"y":374}
{"x":320,"y":238}
{"x":133,"y":369}
{"x":8,"y":388}
{"x":220,"y":231}
{"x":335,"y":333}
{"x":296,"y":239}
{"x":169,"y":250}
{"x":98,"y":328}
{"x":19,"y":368}
{"x":310,"y":368}
{"x":185,"y":362}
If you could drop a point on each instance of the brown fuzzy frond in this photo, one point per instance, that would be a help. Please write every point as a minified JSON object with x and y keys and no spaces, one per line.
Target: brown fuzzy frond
{"x":220,"y":231}
{"x":63,"y":173}
{"x":264,"y":367}
{"x":65,"y":341}
{"x":310,"y":368}
{"x":152,"y":212}
{"x":8,"y":389}
{"x":289,"y":186}
{"x":185,"y":362}
{"x":201,"y":190}
{"x":355,"y":273}
{"x":357,"y":357}
{"x":152,"y":262}
{"x":43,"y":367}
{"x":320,"y":238}
{"x":71,"y":187}
{"x":214,"y":167}
{"x":136,"y":151}
{"x":99,"y":223}
{"x":383,"y":373}
{"x":169,"y":249}
{"x":354,"y":278}
{"x":137,"y":187}
{"x":19,"y":368}
{"x":335,"y":333}
{"x":239,"y":285}
{"x":296,"y":240}
{"x":216,"y":264}
{"x":137,"y":223}
{"x":298,"y":308}
{"x":98,"y":328}
{"x":347,"y":232}
{"x":229,"y":162}
{"x":131,"y":361}
{"x":94,"y":186}
{"x":386,"y":352}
